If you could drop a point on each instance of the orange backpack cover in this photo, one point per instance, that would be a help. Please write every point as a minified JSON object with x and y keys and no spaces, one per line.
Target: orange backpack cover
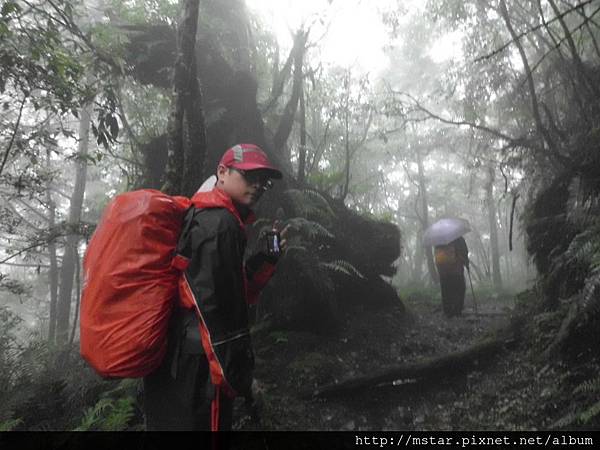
{"x":131,"y":275}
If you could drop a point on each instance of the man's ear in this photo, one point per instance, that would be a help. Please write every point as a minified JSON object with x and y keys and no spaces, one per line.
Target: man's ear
{"x":221,"y":171}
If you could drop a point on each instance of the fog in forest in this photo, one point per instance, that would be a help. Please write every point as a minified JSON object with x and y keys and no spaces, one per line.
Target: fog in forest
{"x":385,"y":118}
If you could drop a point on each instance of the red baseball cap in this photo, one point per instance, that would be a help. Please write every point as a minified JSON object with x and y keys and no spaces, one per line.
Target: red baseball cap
{"x":248,"y":157}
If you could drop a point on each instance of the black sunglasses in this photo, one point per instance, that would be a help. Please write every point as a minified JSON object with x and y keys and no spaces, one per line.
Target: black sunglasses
{"x":252,"y":177}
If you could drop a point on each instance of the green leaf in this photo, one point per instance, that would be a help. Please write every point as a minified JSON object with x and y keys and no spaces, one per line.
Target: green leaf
{"x":10,"y":425}
{"x":4,"y":30}
{"x":10,"y":7}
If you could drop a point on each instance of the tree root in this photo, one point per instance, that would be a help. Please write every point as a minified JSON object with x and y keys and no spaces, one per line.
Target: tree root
{"x":452,"y":363}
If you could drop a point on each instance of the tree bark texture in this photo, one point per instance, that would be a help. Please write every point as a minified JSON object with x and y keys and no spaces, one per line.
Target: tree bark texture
{"x":53,"y":271}
{"x":417,"y":269}
{"x":69,"y":260}
{"x":344,"y":192}
{"x":280,"y":77}
{"x":187,"y":132}
{"x":302,"y":149}
{"x":425,"y":218}
{"x":492,"y":220}
{"x":287,"y":119}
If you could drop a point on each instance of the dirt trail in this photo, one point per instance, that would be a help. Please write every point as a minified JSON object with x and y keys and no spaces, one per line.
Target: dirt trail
{"x":292,"y":363}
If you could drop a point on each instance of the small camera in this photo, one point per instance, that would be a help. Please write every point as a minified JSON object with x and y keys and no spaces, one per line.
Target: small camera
{"x":273,"y":242}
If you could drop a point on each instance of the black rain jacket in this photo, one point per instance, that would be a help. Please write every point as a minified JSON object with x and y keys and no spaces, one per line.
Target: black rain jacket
{"x":216,"y":289}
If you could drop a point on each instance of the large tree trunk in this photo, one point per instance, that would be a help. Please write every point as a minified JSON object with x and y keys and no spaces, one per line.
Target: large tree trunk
{"x":187,"y":132}
{"x":287,"y":119}
{"x":231,"y":102}
{"x":492,"y":219}
{"x":346,"y":184}
{"x":70,"y":258}
{"x":302,"y":149}
{"x":53,"y":272}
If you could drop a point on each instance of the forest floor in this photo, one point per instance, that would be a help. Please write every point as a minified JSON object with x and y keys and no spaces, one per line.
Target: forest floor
{"x":514,"y":390}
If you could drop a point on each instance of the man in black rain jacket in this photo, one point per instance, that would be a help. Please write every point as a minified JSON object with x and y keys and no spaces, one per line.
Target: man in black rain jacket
{"x":209,"y":358}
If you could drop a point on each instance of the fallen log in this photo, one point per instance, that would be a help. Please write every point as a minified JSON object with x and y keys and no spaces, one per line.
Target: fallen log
{"x":431,"y":367}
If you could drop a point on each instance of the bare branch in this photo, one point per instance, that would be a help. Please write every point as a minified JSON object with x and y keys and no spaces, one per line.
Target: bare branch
{"x":14,"y":134}
{"x":517,"y":37}
{"x":496,"y":133}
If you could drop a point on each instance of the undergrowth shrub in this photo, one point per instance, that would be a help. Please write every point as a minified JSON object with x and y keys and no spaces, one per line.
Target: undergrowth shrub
{"x":43,"y":387}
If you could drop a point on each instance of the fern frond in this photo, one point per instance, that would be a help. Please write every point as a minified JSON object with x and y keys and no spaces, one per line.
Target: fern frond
{"x":588,"y":386}
{"x":591,"y":413}
{"x":312,"y":230}
{"x":565,"y":421}
{"x":319,"y":200}
{"x":339,"y":265}
{"x":10,"y":425}
{"x":580,"y":253}
{"x":108,"y":415}
{"x":310,"y":205}
{"x":581,"y":250}
{"x":92,"y":415}
{"x":120,"y":415}
{"x":590,"y":300}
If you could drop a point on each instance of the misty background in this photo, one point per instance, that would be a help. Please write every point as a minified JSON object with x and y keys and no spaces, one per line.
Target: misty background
{"x":385,"y":116}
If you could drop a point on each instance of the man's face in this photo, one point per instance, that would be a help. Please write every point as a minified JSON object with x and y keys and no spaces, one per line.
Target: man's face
{"x":244,"y":187}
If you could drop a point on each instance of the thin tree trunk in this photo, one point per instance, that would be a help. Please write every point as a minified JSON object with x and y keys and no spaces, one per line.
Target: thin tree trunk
{"x":322,"y":144}
{"x":556,"y":45}
{"x":492,"y":219}
{"x":581,"y":72}
{"x":67,"y":270}
{"x":483,"y":256}
{"x":417,"y":269}
{"x":53,"y":271}
{"x":279,"y":78}
{"x":287,"y":119}
{"x":425,"y":217}
{"x":532,"y":93}
{"x":77,"y":300}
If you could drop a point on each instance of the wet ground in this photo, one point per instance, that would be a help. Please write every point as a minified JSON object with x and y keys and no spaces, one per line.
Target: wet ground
{"x":502,"y":394}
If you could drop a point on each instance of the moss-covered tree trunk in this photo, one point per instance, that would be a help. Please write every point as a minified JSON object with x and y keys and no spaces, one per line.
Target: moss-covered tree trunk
{"x":187,"y":132}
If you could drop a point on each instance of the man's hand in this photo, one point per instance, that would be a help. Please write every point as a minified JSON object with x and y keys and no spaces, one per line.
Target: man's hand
{"x":283,"y":233}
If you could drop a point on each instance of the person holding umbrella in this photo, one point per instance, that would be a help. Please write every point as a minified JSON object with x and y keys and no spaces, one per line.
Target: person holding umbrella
{"x":451,"y":257}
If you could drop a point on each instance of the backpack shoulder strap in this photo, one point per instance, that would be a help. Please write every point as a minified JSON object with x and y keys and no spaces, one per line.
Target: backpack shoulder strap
{"x":188,"y":221}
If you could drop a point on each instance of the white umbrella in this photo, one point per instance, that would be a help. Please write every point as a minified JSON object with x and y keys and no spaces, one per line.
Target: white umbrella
{"x":445,"y":231}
